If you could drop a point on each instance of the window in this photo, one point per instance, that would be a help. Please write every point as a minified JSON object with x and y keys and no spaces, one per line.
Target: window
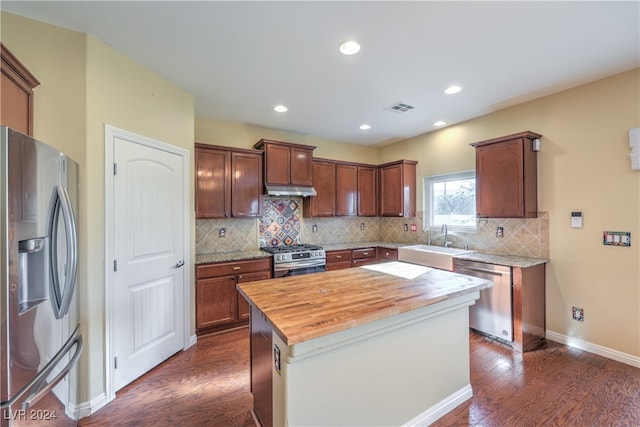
{"x":450,"y":199}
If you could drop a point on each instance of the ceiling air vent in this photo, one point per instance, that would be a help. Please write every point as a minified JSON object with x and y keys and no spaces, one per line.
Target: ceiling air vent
{"x":400,"y":107}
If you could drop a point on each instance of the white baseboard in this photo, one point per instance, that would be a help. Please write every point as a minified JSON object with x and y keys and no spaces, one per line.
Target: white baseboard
{"x":594,"y":348}
{"x":84,"y":409}
{"x":193,"y":339}
{"x":441,"y":408}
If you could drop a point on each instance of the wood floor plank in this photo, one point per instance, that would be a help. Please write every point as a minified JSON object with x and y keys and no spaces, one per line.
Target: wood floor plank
{"x":553,"y":386}
{"x":556,"y":385}
{"x":207,"y":385}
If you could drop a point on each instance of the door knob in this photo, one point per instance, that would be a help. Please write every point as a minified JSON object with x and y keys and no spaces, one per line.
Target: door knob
{"x":179,"y":264}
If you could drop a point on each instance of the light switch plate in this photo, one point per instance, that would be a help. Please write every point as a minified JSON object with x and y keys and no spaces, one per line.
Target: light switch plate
{"x":576,"y":219}
{"x":616,"y":238}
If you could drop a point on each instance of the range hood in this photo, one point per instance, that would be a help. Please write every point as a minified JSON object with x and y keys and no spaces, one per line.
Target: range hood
{"x":288,"y":190}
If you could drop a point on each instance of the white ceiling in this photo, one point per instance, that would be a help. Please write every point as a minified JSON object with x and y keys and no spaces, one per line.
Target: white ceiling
{"x":239,"y":59}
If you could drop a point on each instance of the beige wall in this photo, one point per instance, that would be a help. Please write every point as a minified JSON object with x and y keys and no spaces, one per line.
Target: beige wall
{"x":85,"y":85}
{"x":583,"y":166}
{"x":128,"y":96}
{"x":244,"y":136}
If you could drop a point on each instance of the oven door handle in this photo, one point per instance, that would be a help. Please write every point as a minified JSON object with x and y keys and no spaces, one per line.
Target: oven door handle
{"x":299,"y":264}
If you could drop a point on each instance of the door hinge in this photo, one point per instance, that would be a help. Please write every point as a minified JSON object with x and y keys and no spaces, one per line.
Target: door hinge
{"x":115,"y":169}
{"x":115,"y":265}
{"x":115,"y":363}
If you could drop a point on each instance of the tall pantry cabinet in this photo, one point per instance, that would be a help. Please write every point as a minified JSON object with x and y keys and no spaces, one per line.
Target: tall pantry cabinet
{"x":16,"y":96}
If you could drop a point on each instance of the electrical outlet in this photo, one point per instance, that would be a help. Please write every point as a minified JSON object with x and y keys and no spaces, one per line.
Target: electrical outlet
{"x":362,"y":226}
{"x":578,"y":314}
{"x":314,"y":228}
{"x":406,"y":227}
{"x":500,"y":232}
{"x":222,"y":232}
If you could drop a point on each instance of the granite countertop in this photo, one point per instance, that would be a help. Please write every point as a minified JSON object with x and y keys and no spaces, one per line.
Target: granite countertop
{"x":257,"y":253}
{"x":508,"y":260}
{"x":358,"y":245}
{"x":231,"y":256}
{"x":309,"y":306}
{"x":499,"y":259}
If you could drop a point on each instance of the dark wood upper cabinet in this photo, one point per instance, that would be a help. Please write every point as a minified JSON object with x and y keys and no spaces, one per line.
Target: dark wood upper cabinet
{"x":398,"y":188}
{"x":213,"y":187}
{"x":301,"y":161}
{"x":507,"y":177}
{"x":228,"y":182}
{"x":367,"y":191}
{"x":286,"y":163}
{"x":246,"y":184}
{"x":16,"y":96}
{"x":324,"y":181}
{"x":346,"y":190}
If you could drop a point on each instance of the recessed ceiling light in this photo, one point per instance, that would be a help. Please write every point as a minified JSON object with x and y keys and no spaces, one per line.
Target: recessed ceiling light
{"x":349,"y":47}
{"x":365,"y":126}
{"x":439,"y":123}
{"x":280,"y":108}
{"x":452,"y":89}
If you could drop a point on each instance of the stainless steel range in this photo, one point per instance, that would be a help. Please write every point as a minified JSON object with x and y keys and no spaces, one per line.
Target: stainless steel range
{"x":293,"y":260}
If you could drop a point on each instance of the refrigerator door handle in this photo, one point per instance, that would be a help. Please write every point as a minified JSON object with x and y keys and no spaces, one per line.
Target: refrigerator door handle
{"x":60,"y":202}
{"x":40,"y":380}
{"x":36,"y":384}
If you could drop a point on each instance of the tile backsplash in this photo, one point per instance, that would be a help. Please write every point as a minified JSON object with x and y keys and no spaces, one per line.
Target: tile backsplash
{"x":283,"y":223}
{"x":522,"y":237}
{"x":280,"y":222}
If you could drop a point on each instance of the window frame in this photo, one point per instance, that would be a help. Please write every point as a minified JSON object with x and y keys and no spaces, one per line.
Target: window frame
{"x":427,"y":199}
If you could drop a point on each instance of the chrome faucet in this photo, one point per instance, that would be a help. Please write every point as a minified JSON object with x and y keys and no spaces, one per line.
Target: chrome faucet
{"x":444,"y":230}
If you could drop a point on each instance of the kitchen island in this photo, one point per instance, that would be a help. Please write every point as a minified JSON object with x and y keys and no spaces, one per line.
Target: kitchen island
{"x":385,"y":344}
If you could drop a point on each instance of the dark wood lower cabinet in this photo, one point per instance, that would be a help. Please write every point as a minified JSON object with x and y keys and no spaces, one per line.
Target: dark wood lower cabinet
{"x":529,"y":312}
{"x":337,"y":260}
{"x":219,"y":306}
{"x":387,"y":255}
{"x":261,"y":360}
{"x":364,"y":256}
{"x":347,"y":258}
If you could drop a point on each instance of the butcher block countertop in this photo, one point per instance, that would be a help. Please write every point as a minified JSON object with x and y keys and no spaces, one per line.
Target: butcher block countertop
{"x":301,"y":308}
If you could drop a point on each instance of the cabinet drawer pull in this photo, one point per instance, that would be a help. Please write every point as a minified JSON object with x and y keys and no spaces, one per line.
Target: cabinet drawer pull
{"x":236,"y":268}
{"x":365,"y":253}
{"x":338,"y":256}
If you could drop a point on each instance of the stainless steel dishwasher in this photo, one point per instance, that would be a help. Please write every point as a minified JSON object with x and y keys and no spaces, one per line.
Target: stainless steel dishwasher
{"x":492,"y":314}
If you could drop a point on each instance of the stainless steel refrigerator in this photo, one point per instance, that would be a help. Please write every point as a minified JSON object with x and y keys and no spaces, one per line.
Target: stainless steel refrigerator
{"x":40,"y":340}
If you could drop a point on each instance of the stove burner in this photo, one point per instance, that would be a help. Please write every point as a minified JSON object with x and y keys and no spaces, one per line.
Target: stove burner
{"x":290,"y":248}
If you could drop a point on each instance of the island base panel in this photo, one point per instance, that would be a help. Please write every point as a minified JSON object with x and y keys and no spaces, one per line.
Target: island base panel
{"x":390,"y":372}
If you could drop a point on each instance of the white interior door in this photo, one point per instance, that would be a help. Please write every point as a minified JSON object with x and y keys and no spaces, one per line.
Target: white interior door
{"x":148,"y":288}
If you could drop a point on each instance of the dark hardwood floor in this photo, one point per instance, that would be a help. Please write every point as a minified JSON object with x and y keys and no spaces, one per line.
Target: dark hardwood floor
{"x":208,"y":385}
{"x":553,"y":386}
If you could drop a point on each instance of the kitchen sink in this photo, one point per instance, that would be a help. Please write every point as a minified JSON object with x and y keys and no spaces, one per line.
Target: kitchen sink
{"x":430,"y":256}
